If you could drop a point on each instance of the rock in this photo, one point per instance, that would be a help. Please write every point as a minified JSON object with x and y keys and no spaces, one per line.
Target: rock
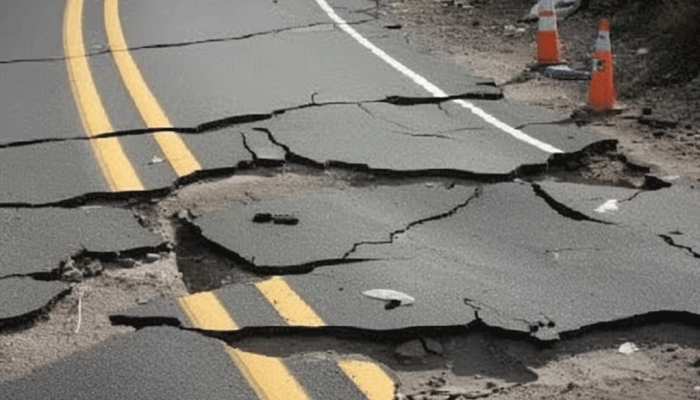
{"x":628,"y":348}
{"x":412,"y":349}
{"x":642,"y":51}
{"x":433,"y":346}
{"x":93,"y":268}
{"x":72,"y":274}
{"x":152,"y":257}
{"x":127,"y":262}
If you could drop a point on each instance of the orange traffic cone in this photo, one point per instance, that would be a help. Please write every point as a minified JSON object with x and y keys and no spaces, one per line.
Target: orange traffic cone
{"x":601,"y":92}
{"x":548,"y":49}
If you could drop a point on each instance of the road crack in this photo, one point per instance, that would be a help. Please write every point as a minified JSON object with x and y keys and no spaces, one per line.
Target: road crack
{"x":669,"y":240}
{"x":394,"y":234}
{"x":177,"y":44}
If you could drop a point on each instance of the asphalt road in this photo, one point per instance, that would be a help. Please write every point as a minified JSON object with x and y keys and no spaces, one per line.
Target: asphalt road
{"x":118,"y":99}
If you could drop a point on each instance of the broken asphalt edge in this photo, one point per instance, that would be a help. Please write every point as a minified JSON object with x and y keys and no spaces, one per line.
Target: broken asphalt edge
{"x":414,"y":332}
{"x":27,"y":320}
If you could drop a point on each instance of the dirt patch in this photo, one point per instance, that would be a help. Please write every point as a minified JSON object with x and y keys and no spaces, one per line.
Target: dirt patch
{"x":655,"y":46}
{"x":81,"y":319}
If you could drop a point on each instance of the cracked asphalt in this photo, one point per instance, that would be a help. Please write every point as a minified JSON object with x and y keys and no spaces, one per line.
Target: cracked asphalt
{"x":286,"y":159}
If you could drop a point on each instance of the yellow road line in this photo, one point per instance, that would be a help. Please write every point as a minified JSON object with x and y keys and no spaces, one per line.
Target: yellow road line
{"x":370,"y":378}
{"x":174,"y":148}
{"x":268,"y":376}
{"x":292,"y":308}
{"x":116,"y":167}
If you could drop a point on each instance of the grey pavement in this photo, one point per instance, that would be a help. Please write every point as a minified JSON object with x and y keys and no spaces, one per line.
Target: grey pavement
{"x":330,"y":222}
{"x":36,"y":240}
{"x":154,"y":363}
{"x":22,"y":297}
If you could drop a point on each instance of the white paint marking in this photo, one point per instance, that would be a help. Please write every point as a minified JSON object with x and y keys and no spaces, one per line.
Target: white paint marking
{"x":610,"y":205}
{"x":432,"y":89}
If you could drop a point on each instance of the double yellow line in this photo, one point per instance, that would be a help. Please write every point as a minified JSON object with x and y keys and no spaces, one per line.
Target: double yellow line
{"x":118,"y":171}
{"x":268,"y":376}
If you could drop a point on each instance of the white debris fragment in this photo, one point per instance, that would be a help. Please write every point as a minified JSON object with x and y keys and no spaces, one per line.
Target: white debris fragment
{"x":628,"y":348}
{"x":642,"y":51}
{"x":610,"y":205}
{"x":155,"y":160}
{"x":390,"y":295}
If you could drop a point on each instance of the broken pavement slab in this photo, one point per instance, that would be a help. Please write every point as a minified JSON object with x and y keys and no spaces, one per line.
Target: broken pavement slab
{"x":419,"y":139}
{"x":507,"y":259}
{"x":18,"y":307}
{"x":331,"y":222}
{"x":34,"y":241}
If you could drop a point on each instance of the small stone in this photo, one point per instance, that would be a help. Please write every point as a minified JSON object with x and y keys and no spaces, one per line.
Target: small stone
{"x":491,"y":385}
{"x":183,"y":214}
{"x":628,"y":348}
{"x":696,"y":388}
{"x":477,"y":376}
{"x":72,"y":274}
{"x":127,"y":262}
{"x":434,"y":346}
{"x":412,"y":349}
{"x":642,"y":51}
{"x":93,"y":268}
{"x":152,"y":257}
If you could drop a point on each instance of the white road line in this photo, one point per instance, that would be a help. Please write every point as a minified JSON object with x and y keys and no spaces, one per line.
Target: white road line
{"x":432,"y":89}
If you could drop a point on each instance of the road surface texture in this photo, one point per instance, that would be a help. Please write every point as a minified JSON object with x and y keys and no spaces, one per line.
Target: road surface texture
{"x":287,"y":200}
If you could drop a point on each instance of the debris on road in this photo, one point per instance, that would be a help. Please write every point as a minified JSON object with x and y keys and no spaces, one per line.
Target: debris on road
{"x":628,"y":348}
{"x":392,"y":298}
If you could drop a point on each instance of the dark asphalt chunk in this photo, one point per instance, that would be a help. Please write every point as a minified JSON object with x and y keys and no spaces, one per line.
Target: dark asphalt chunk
{"x":507,"y":259}
{"x":36,"y":240}
{"x":153,"y":363}
{"x":523,"y":263}
{"x":329,"y":223}
{"x":23,"y":298}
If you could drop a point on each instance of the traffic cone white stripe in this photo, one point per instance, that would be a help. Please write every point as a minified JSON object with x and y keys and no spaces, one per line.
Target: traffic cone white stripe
{"x":603,"y":42}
